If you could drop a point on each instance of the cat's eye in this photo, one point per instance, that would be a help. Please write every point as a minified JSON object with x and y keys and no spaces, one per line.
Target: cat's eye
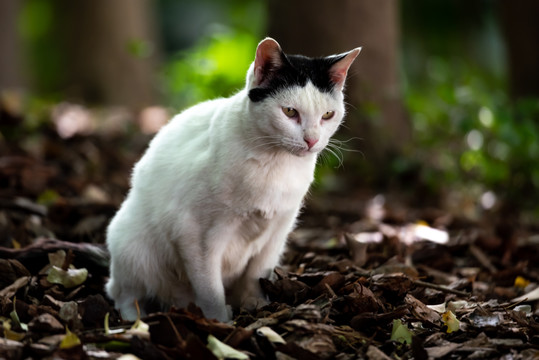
{"x":328,"y":115}
{"x":290,"y":112}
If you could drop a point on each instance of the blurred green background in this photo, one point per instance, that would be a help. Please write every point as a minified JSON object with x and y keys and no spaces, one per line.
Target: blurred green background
{"x":443,"y":101}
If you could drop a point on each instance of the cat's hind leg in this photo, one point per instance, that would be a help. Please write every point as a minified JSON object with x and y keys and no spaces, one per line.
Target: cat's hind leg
{"x":129,"y":301}
{"x":133,"y":266}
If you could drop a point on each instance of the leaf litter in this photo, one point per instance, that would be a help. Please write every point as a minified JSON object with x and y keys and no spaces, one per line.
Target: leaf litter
{"x":364,"y":276}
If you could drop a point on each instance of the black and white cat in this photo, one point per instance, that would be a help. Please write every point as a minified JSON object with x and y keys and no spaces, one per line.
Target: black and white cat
{"x":216,"y":194}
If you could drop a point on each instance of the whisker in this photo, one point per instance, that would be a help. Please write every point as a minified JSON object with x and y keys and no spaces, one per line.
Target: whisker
{"x":258,"y":138}
{"x":338,"y":149}
{"x":270,"y":141}
{"x":270,"y":145}
{"x":335,"y":152}
{"x":350,"y":105}
{"x":346,"y":141}
{"x":324,"y":158}
{"x":343,"y":125}
{"x":339,"y":154}
{"x":341,"y":144}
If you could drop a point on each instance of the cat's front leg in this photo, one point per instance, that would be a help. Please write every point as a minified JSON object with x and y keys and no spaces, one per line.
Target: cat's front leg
{"x":246,"y":291}
{"x":209,"y":290}
{"x":202,"y":264}
{"x":210,"y":294}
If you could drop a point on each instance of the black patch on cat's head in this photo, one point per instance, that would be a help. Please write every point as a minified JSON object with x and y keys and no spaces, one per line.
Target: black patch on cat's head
{"x":296,"y":70}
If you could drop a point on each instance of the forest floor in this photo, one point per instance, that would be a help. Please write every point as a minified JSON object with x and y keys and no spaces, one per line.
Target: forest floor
{"x":365,"y":276}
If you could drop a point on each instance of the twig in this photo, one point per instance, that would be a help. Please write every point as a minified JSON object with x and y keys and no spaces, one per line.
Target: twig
{"x":440,"y":287}
{"x":93,"y":255}
{"x":482,"y":258}
{"x":330,"y":290}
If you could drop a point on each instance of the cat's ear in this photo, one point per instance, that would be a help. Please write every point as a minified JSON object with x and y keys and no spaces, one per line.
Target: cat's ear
{"x":269,"y":58}
{"x":339,"y":69}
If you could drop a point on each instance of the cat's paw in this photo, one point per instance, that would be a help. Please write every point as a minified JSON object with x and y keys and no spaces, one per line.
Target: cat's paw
{"x":130,"y":312}
{"x":251,"y":303}
{"x":230,"y":313}
{"x":222,"y":314}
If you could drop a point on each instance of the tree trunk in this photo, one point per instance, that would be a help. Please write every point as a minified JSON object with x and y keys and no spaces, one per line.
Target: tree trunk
{"x":325,"y":27}
{"x":11,"y":70}
{"x":522,"y":34}
{"x":108,"y":47}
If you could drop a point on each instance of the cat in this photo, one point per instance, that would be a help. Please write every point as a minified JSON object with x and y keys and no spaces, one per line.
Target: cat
{"x":219,"y":188}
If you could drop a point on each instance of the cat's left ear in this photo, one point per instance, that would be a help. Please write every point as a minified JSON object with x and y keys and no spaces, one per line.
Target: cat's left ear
{"x":268,"y":59}
{"x":339,"y":69}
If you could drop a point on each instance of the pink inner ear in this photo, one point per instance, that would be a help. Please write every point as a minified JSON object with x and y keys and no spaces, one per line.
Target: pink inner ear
{"x":339,"y":70}
{"x":268,"y":57}
{"x":339,"y":76}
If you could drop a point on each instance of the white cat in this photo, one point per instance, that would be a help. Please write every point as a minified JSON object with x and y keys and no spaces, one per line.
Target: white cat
{"x":219,"y":188}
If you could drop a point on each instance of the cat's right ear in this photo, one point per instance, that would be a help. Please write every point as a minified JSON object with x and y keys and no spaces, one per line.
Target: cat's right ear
{"x":267,"y":60}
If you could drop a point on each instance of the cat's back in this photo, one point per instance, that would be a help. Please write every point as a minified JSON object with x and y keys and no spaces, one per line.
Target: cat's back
{"x":190,"y":125}
{"x":186,"y":138}
{"x":183,"y":149}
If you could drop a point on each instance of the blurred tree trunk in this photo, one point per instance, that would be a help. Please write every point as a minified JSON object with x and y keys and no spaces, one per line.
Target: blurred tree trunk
{"x":11,"y":72}
{"x":109,"y":51}
{"x":521,"y":27}
{"x":326,"y":27}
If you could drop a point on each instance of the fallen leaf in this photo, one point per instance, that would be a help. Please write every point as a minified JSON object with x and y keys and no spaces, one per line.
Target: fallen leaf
{"x":15,"y":317}
{"x":270,"y":335}
{"x":11,"y":349}
{"x":68,"y":278}
{"x":10,"y":334}
{"x":106,"y":324}
{"x":69,"y":312}
{"x":422,"y":311}
{"x":437,"y":352}
{"x":527,"y":309}
{"x":10,"y":290}
{"x":359,"y":243}
{"x":141,"y":331}
{"x":140,"y":325}
{"x":70,"y":340}
{"x":521,"y":282}
{"x":223,"y":351}
{"x":401,"y":333}
{"x":420,"y":231}
{"x":128,"y":357}
{"x":11,"y":270}
{"x":451,"y":321}
{"x":57,"y":258}
{"x":531,"y":296}
{"x":439,"y":308}
{"x":15,"y":244}
{"x":45,"y":323}
{"x":139,"y":328}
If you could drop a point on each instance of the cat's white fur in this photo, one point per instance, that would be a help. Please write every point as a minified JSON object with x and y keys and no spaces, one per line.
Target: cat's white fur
{"x":214,"y":198}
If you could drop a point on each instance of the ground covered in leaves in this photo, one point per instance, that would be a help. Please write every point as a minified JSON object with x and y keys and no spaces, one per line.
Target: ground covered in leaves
{"x":364,"y":277}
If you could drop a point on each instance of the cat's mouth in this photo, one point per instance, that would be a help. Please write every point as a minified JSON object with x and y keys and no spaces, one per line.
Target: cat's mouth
{"x":301,"y":152}
{"x":298,"y":149}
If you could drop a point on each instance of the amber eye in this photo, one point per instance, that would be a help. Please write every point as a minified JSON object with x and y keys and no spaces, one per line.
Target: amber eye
{"x":328,"y":115}
{"x":290,"y":112}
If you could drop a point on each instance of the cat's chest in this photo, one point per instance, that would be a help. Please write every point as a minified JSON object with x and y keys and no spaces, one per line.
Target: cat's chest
{"x":270,"y":187}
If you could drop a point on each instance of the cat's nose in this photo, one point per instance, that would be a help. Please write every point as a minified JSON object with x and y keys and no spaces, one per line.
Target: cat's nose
{"x":310,"y":141}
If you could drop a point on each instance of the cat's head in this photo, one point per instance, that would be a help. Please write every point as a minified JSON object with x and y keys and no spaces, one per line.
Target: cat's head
{"x":296,"y":102}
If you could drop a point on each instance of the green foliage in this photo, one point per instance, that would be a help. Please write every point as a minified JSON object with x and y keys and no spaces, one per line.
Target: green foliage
{"x":467,"y":131}
{"x":36,"y":19}
{"x":36,"y":24}
{"x":216,"y":66}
